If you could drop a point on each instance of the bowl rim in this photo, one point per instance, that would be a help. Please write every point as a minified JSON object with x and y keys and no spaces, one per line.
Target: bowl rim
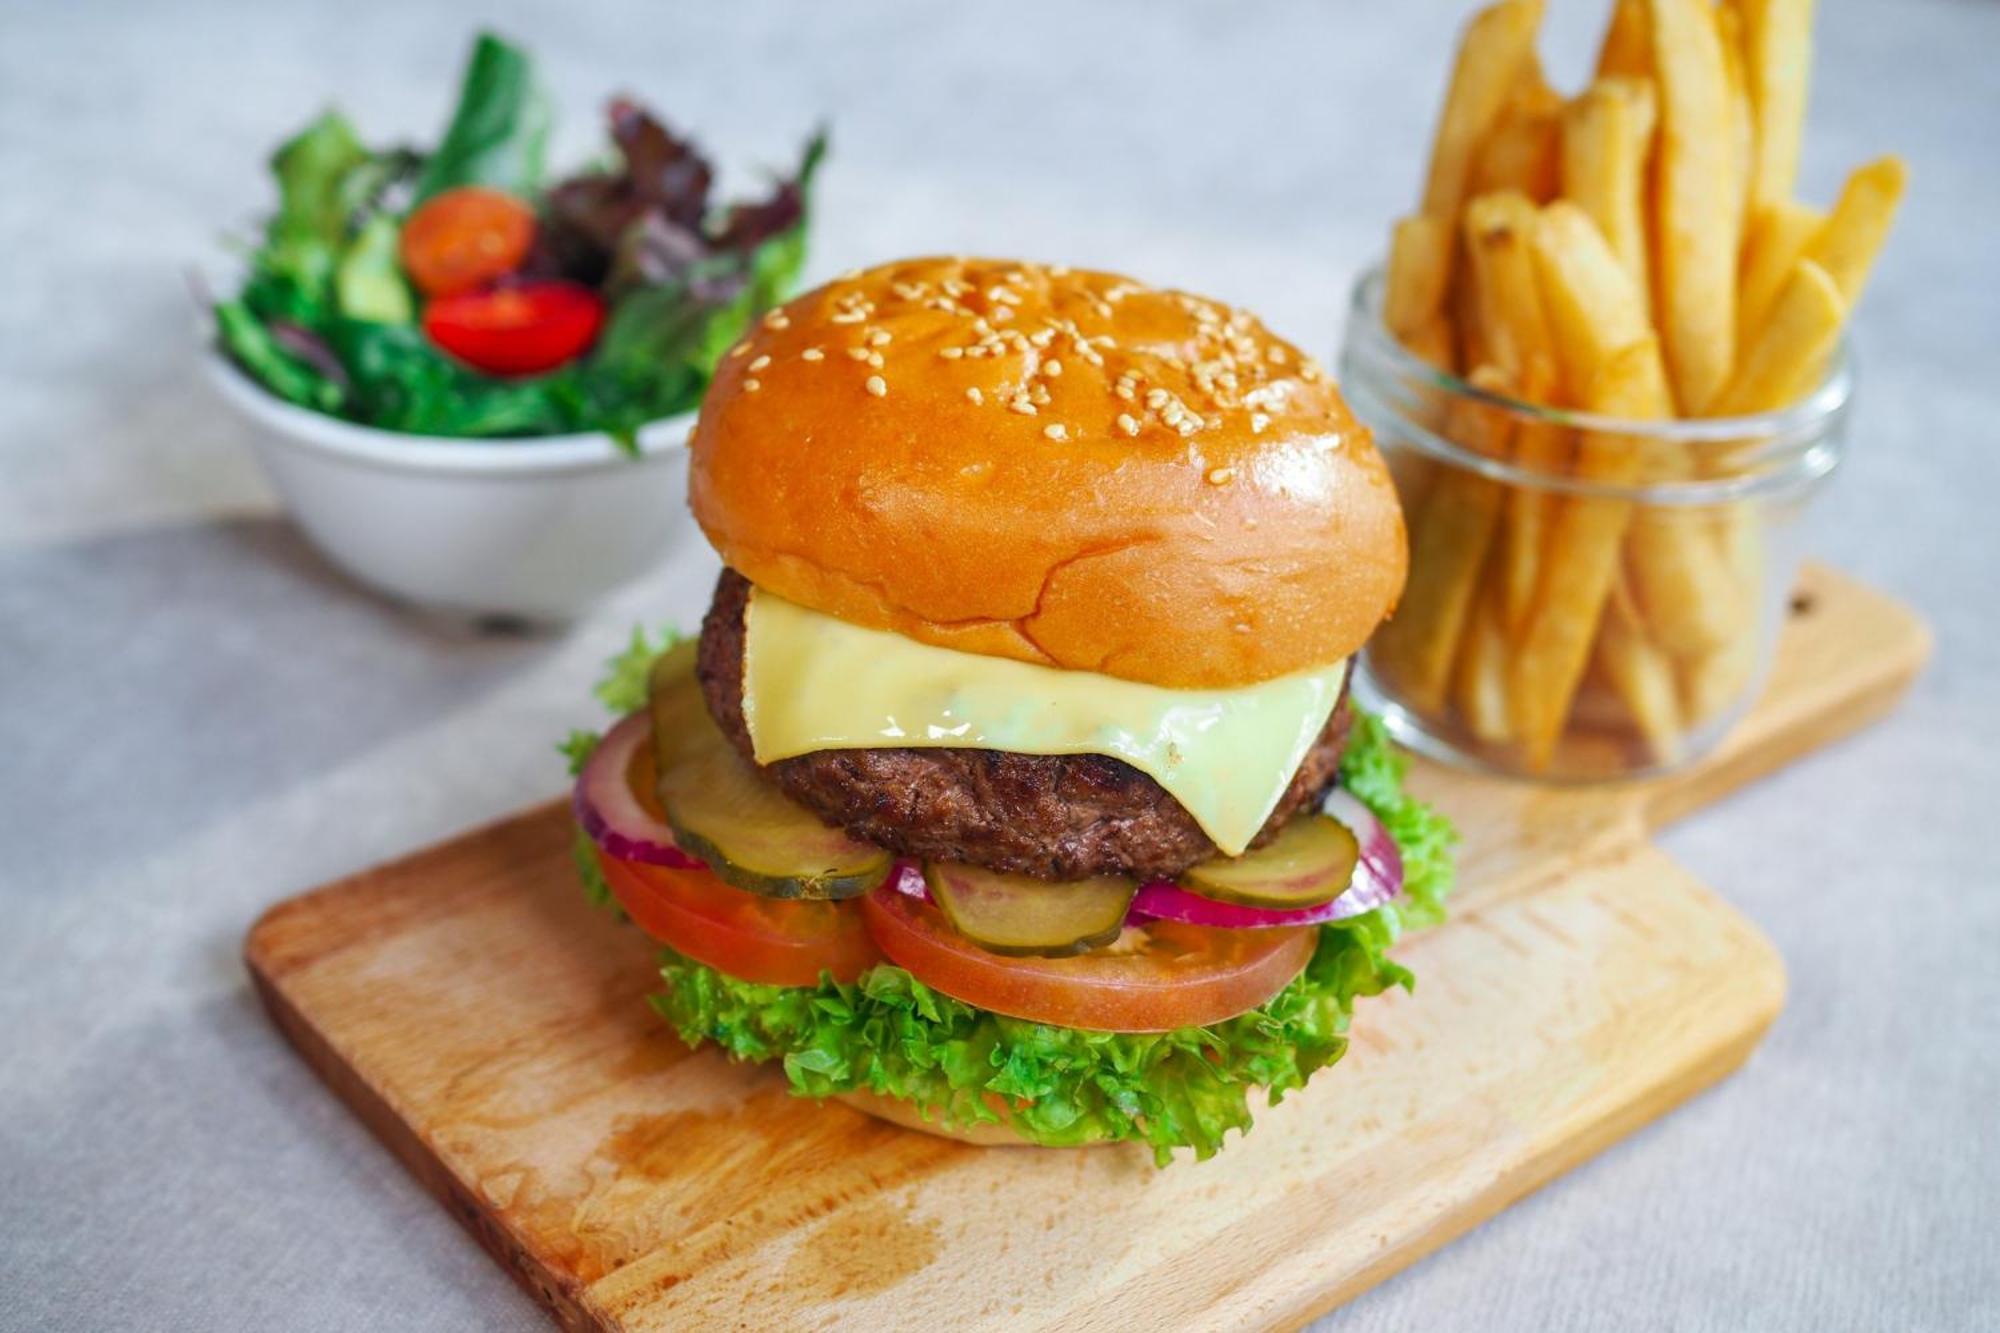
{"x":301,"y":427}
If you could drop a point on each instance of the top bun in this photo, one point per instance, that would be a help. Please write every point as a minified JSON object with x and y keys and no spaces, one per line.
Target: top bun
{"x":1041,"y":463}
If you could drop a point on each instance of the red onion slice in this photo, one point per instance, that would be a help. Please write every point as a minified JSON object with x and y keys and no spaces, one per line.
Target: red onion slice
{"x":908,"y":879}
{"x":1379,"y":874}
{"x":610,"y":811}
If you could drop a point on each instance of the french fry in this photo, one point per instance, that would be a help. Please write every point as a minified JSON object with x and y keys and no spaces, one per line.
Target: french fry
{"x":1627,"y":50}
{"x":1847,"y":245}
{"x":1786,"y":361}
{"x":1491,"y":56}
{"x":1776,"y":237}
{"x":1449,"y":538}
{"x":1479,"y":681}
{"x":1498,"y":234}
{"x":1607,"y":139}
{"x":1419,"y":268}
{"x":1593,"y":306}
{"x":1523,"y":150}
{"x":1611,"y":364}
{"x":1729,"y":33}
{"x":1582,"y":556}
{"x":1682,"y":580}
{"x":1541,"y":447}
{"x":1523,"y":153}
{"x":1640,"y":674}
{"x":1777,"y":53}
{"x":1711,"y":686}
{"x":1697,"y":224}
{"x":1792,"y":348}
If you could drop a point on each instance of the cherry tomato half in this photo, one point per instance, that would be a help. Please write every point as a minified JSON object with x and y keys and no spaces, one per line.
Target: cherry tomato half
{"x":779,"y":942}
{"x":1157,"y":977}
{"x":465,"y":238}
{"x":520,"y":330}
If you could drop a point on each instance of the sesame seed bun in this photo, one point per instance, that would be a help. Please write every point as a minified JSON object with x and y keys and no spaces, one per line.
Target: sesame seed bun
{"x":1052,"y":465}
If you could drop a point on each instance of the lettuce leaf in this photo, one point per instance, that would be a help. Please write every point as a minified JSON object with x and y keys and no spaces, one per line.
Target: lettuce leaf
{"x":889,"y":1033}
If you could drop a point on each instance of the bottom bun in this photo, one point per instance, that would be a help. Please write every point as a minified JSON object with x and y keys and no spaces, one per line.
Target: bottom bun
{"x":903,"y":1113}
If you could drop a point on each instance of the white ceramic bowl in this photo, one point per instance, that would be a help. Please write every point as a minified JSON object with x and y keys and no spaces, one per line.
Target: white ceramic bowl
{"x":534,"y":530}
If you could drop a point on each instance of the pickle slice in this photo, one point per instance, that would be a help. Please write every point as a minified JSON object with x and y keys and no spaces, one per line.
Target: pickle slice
{"x":1310,"y":862}
{"x":723,"y":810}
{"x":1021,"y":915}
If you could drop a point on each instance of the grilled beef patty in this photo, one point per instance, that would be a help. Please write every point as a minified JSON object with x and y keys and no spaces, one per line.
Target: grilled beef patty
{"x":1058,"y":817}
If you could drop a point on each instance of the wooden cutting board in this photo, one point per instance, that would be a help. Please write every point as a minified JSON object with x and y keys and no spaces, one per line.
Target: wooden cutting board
{"x":490,"y":1026}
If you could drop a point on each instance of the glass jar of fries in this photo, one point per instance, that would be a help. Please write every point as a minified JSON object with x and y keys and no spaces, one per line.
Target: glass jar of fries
{"x":1590,"y":596}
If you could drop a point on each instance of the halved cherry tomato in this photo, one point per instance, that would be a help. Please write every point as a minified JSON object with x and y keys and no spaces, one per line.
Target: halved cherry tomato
{"x":1156,"y":977}
{"x":465,"y":238}
{"x":520,"y":330}
{"x":782,"y":943}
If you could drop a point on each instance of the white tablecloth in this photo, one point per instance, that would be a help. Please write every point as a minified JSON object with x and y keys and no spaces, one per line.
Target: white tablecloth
{"x":198,"y":718}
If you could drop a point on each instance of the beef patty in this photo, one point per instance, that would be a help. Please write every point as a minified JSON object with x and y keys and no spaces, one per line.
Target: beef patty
{"x":1055,"y":816}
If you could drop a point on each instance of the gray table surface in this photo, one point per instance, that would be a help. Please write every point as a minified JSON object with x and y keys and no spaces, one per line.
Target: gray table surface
{"x":198,"y":718}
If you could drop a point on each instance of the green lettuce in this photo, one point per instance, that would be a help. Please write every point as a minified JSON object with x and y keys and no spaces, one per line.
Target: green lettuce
{"x":889,"y":1033}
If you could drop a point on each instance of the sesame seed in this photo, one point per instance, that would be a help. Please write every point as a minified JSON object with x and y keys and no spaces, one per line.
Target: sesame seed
{"x":1052,"y":368}
{"x":858,"y":353}
{"x":951,"y":353}
{"x":1056,"y":432}
{"x":752,"y":385}
{"x":879,"y":337}
{"x":847,"y":317}
{"x":741,"y":349}
{"x":1021,"y":404}
{"x":878,"y":386}
{"x":813,"y":354}
{"x":1127,"y":423}
{"x":875,"y":360}
{"x":760,"y":363}
{"x":777,"y":320}
{"x":1221,"y":476}
{"x":974,"y":394}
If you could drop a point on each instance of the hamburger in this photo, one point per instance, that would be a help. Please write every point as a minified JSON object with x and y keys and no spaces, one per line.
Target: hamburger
{"x":1011,"y":789}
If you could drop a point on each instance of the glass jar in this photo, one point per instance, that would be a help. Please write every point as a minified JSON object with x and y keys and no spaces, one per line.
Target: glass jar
{"x":1559,"y":624}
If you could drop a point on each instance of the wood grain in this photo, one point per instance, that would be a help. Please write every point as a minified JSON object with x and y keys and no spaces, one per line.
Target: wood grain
{"x":490,"y":1026}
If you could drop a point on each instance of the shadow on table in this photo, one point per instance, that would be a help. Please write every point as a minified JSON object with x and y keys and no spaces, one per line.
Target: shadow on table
{"x":165,"y":677}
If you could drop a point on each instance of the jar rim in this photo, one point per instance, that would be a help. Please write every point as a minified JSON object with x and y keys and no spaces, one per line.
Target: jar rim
{"x":1792,"y":445}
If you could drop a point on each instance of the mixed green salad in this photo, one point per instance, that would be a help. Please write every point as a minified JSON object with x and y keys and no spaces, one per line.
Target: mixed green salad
{"x":460,"y":292}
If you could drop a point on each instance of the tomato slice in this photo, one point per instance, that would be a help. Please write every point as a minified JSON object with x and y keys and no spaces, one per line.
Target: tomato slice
{"x":519,"y":330}
{"x":1157,"y":977}
{"x":782,"y":943}
{"x":465,"y":238}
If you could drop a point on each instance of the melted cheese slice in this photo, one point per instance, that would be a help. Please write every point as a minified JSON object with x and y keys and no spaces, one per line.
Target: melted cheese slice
{"x":813,"y":682}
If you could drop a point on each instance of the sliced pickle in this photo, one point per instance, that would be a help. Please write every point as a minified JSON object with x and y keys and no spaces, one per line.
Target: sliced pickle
{"x":1310,"y":862}
{"x":723,"y":810}
{"x":1021,"y":915}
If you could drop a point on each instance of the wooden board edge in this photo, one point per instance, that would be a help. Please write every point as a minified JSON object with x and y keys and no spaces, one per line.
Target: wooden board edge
{"x":1645,"y":1105}
{"x":563,"y":1297}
